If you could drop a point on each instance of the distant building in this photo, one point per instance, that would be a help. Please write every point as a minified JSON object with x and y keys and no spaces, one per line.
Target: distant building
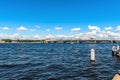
{"x":2,"y":41}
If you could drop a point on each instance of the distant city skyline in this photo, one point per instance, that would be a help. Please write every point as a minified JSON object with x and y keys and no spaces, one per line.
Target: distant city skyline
{"x":59,"y":19}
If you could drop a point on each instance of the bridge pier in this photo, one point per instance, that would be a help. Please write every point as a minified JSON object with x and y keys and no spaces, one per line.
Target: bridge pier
{"x":111,"y":41}
{"x":95,"y":41}
{"x":77,"y":41}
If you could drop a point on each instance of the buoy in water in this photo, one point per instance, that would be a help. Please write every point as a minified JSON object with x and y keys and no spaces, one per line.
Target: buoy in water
{"x":92,"y":55}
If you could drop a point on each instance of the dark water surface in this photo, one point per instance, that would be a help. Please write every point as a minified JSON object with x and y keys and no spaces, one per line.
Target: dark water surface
{"x":62,"y":61}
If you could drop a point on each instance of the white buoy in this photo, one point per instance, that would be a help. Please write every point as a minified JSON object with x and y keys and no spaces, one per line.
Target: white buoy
{"x":92,"y":55}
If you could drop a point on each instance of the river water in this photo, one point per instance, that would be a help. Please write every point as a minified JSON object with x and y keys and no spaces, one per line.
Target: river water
{"x":60,"y":61}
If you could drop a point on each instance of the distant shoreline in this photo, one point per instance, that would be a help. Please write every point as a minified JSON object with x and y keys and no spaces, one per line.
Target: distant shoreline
{"x":57,"y":41}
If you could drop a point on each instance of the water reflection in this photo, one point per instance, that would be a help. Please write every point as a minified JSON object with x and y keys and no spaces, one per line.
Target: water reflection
{"x":94,"y":71}
{"x":92,"y":63}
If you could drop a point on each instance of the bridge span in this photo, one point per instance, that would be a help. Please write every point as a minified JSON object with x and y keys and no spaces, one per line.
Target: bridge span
{"x":81,"y":41}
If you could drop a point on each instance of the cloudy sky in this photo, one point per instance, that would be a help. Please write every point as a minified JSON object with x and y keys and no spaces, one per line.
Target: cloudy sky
{"x":39,"y":19}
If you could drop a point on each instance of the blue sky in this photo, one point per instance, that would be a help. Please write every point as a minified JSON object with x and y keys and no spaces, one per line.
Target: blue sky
{"x":63,"y":14}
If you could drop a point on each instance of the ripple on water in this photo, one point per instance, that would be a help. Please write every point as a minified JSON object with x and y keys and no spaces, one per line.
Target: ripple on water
{"x":57,"y":61}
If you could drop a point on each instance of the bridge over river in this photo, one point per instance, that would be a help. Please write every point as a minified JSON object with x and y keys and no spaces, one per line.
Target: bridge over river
{"x":81,"y":41}
{"x":65,"y":41}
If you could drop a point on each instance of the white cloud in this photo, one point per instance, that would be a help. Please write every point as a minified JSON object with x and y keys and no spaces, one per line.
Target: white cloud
{"x":90,"y":33}
{"x":21,"y":28}
{"x":32,"y":30}
{"x":15,"y":36}
{"x":37,"y":26}
{"x":10,"y":36}
{"x":60,"y":36}
{"x":3,"y":36}
{"x":112,"y":33}
{"x":95,"y":33}
{"x":25,"y":37}
{"x":58,"y":28}
{"x":118,"y":28}
{"x":37,"y":37}
{"x":49,"y":36}
{"x":108,"y":28}
{"x":47,"y":30}
{"x":102,"y":36}
{"x":5,"y":28}
{"x":75,"y":29}
{"x":94,"y":28}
